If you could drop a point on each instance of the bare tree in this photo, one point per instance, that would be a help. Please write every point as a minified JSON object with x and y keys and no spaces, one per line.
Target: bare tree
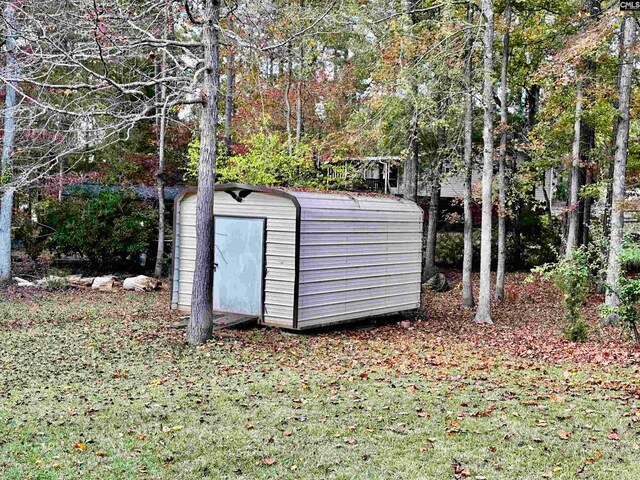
{"x":80,"y":86}
{"x":502,"y":156}
{"x":620,"y":163}
{"x":483,"y":312}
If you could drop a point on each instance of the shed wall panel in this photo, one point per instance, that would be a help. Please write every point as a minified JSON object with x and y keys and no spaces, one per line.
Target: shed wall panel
{"x":359,"y":256}
{"x":280,"y":251}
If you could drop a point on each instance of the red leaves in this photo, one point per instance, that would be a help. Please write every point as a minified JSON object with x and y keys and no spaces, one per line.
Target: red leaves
{"x":528,"y":325}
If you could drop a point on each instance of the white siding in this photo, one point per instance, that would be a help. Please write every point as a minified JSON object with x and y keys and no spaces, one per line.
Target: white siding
{"x":359,"y":256}
{"x":280,"y":213}
{"x":453,"y":185}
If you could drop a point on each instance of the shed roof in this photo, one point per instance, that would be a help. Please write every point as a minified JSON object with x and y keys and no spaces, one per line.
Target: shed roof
{"x":296,"y":192}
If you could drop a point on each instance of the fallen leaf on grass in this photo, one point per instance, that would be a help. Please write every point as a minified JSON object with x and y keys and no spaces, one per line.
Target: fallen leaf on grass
{"x":101,"y":454}
{"x":80,"y":446}
{"x":350,"y":440}
{"x":175,"y":428}
{"x":565,"y":435}
{"x":459,"y":470}
{"x":287,"y":433}
{"x":269,"y":461}
{"x":613,"y":435}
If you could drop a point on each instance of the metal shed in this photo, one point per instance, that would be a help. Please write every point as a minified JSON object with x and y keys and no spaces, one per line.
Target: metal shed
{"x":298,"y":259}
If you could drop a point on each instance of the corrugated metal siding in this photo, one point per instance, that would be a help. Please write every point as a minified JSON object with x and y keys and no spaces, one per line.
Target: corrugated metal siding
{"x":359,"y":256}
{"x":280,"y":252}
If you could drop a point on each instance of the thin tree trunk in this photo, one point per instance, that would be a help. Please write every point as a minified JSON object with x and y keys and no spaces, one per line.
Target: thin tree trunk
{"x":586,"y":217}
{"x":606,"y":220}
{"x":620,"y":164}
{"x":502,"y":156}
{"x":429,"y":268}
{"x":287,"y":100}
{"x":6,"y":205}
{"x":200,"y":325}
{"x":588,"y":138}
{"x":547,"y":199}
{"x":228,"y":109}
{"x":573,"y":220}
{"x":162,"y":135}
{"x":299,"y":116}
{"x":467,"y":262}
{"x":410,"y":166}
{"x":483,"y":313}
{"x":60,"y":178}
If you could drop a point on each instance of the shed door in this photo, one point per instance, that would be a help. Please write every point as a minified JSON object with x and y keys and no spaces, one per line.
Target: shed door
{"x":237,"y":281}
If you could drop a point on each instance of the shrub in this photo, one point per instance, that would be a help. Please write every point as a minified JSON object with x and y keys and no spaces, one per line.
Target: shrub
{"x":111,"y":229}
{"x":629,"y":303}
{"x":630,"y":256}
{"x":450,"y":248}
{"x":577,"y":331}
{"x":32,"y":235}
{"x":572,"y":277}
{"x":269,"y":160}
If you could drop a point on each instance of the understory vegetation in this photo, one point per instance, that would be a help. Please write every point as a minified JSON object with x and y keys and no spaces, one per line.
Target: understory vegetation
{"x":116,"y":394}
{"x":110,"y":228}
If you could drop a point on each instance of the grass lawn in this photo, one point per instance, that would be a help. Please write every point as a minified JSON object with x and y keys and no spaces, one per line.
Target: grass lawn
{"x":94,"y":385}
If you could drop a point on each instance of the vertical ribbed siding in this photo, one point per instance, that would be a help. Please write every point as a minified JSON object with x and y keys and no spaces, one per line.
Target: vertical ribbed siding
{"x":280,"y":250}
{"x":359,"y":256}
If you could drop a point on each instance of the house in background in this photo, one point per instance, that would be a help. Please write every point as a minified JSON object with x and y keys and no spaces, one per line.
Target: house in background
{"x":383,"y":175}
{"x":374,"y":174}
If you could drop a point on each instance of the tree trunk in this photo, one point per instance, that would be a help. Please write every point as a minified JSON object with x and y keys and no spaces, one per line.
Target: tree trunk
{"x":467,"y":261}
{"x":299,"y":116}
{"x":533,"y":94}
{"x":620,"y":163}
{"x":287,"y":100}
{"x":410,"y":166}
{"x":588,"y":138}
{"x":573,"y":216}
{"x":162,"y":136}
{"x":502,"y":156}
{"x":228,"y":108}
{"x":483,"y":313}
{"x":6,"y":205}
{"x":586,"y":216}
{"x":60,"y":178}
{"x":429,"y":268}
{"x":201,"y":321}
{"x":606,"y":217}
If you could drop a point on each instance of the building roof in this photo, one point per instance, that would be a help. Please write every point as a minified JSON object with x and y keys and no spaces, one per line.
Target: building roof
{"x":144,"y":192}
